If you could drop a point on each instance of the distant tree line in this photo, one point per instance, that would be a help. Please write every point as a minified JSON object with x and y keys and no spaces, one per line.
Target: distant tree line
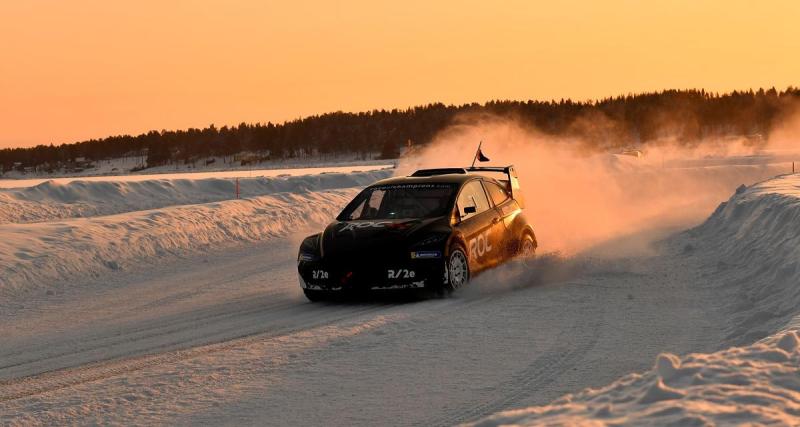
{"x":686,"y":116}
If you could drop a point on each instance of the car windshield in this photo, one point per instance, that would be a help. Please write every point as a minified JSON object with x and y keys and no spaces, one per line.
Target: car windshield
{"x":408,"y":201}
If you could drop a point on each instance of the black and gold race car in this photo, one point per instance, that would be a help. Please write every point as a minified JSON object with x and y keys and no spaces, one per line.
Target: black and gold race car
{"x":432,"y":230}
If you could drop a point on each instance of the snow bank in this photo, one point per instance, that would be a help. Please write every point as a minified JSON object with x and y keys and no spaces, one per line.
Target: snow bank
{"x":757,"y":384}
{"x":52,"y":200}
{"x":750,"y":247}
{"x":45,"y":255}
{"x":121,"y":167}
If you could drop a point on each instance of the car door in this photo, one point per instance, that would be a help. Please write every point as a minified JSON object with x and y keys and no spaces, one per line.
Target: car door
{"x":478,"y":222}
{"x":498,"y":235}
{"x":507,"y":210}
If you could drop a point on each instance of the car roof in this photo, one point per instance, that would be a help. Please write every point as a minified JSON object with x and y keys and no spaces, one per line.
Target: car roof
{"x":451,"y":178}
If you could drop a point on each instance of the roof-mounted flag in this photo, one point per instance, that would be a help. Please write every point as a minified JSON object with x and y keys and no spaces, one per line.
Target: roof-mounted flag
{"x":479,"y":156}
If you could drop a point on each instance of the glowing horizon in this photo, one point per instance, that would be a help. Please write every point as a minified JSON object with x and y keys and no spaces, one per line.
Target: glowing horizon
{"x":74,"y":71}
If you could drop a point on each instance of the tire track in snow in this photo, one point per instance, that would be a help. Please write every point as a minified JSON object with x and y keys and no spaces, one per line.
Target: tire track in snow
{"x":230,"y":318}
{"x":98,"y":370}
{"x":544,"y":370}
{"x":142,"y":334}
{"x":55,"y":380}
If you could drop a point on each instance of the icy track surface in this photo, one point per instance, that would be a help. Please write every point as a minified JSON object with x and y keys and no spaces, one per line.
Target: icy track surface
{"x":191,"y":314}
{"x":749,"y":255}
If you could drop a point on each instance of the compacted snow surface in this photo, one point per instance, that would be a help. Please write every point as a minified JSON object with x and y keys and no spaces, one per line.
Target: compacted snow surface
{"x":171,"y":302}
{"x":750,"y":256}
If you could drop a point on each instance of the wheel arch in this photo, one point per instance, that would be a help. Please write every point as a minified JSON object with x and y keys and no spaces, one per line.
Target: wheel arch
{"x":520,"y":228}
{"x":456,"y":239}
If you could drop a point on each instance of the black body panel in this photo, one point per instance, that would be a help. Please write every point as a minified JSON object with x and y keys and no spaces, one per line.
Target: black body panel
{"x":364,"y":255}
{"x":377,"y":254}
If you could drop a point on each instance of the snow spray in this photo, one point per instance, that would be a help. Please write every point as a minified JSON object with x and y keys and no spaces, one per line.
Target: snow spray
{"x":578,"y":199}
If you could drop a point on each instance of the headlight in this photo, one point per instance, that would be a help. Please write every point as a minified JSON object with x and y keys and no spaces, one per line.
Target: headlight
{"x":430,"y":240}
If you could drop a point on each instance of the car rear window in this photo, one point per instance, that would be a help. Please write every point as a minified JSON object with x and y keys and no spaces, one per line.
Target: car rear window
{"x":496,"y":192}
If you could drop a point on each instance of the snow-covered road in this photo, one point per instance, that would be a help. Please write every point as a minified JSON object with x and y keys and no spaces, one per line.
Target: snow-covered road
{"x":229,"y":338}
{"x":199,"y":319}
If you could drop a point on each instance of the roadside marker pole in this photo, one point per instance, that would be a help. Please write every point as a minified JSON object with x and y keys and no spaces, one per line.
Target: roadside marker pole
{"x":237,"y":188}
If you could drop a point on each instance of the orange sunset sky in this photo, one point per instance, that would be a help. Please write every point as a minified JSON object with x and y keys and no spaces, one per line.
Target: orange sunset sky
{"x":73,"y":70}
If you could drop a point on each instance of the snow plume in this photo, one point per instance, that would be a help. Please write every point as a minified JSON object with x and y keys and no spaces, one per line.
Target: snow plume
{"x":578,"y":198}
{"x":519,"y":274}
{"x":785,"y":136}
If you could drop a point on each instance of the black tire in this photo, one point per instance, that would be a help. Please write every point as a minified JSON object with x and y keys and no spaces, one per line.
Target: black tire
{"x":458,"y":271}
{"x":315,"y":296}
{"x":526,"y":250}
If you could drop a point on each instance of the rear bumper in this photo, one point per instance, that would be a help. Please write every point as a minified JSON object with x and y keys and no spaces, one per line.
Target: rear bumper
{"x":349,"y":276}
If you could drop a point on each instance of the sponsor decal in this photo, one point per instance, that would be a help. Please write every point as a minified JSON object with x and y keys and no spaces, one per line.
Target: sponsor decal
{"x":411,"y":186}
{"x":479,"y":245}
{"x":319,"y":274}
{"x":425,"y":254}
{"x":401,"y":273}
{"x":376,"y":224}
{"x":364,"y":224}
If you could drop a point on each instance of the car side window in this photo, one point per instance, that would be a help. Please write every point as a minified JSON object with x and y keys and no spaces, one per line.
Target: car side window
{"x":356,"y":213}
{"x":497,"y":193}
{"x":368,"y":208}
{"x":373,"y":204}
{"x":472,"y":196}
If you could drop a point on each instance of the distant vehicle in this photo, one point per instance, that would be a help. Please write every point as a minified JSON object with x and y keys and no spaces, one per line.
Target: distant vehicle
{"x":632,"y":153}
{"x":431,"y":231}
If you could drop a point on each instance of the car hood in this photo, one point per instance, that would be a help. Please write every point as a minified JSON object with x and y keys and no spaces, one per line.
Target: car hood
{"x":372,"y":237}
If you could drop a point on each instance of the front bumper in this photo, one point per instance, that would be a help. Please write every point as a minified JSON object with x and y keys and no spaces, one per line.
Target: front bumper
{"x":370,"y":275}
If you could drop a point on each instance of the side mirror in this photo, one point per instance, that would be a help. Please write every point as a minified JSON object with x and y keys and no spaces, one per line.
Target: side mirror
{"x":470,"y":210}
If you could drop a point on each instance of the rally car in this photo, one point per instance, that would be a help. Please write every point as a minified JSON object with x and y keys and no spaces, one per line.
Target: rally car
{"x":431,"y":231}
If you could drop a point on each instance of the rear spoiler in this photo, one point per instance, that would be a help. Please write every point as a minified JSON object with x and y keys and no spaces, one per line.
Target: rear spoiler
{"x":513,"y":179}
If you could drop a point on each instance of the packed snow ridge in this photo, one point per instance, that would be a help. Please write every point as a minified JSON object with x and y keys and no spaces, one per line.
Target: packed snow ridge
{"x":52,"y":200}
{"x":751,"y":248}
{"x":757,"y":384}
{"x":45,"y":254}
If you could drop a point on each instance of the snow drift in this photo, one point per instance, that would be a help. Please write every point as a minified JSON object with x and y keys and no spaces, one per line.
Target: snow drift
{"x":52,"y":200}
{"x":750,"y":247}
{"x":40,"y":255}
{"x":758,"y":384}
{"x":65,"y":248}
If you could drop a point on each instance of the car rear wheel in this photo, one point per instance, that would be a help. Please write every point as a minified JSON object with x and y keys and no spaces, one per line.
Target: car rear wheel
{"x":457,"y":269}
{"x":527,"y":249}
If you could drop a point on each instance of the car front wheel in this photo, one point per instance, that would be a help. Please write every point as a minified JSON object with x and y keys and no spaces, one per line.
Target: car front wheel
{"x":457,"y":269}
